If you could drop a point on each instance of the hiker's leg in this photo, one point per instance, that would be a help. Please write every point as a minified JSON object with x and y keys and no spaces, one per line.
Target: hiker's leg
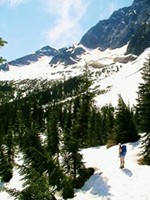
{"x":122,"y":162}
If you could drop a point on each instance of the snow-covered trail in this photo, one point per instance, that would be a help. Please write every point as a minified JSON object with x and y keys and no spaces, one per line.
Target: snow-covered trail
{"x":130,"y":183}
{"x":109,"y":182}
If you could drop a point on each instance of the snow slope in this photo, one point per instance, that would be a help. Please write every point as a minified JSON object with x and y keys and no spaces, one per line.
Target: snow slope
{"x":130,"y":183}
{"x":109,"y":182}
{"x":110,"y":73}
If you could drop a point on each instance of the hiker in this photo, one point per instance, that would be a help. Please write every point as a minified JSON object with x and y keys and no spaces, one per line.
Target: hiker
{"x":122,"y":153}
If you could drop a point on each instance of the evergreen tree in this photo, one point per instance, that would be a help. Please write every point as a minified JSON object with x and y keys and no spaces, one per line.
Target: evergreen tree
{"x":98,"y":127}
{"x":52,"y":131}
{"x":107,"y":122}
{"x":76,"y":128}
{"x":7,"y":145}
{"x":2,"y":43}
{"x":125,"y":128}
{"x":40,"y":163}
{"x":35,"y":187}
{"x":143,"y":109}
{"x":72,"y":159}
{"x":85,"y":107}
{"x":93,"y":132}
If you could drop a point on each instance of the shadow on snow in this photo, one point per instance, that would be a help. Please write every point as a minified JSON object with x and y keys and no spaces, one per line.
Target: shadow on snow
{"x":98,"y":185}
{"x":128,"y":172}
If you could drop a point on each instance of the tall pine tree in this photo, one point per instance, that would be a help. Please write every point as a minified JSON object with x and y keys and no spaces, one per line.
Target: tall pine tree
{"x":125,"y":128}
{"x":143,"y":109}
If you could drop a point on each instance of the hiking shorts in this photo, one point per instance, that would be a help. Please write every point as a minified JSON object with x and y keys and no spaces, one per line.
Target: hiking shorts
{"x":122,"y":154}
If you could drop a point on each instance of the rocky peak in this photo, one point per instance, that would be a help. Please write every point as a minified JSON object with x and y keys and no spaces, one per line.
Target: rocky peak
{"x":122,"y":26}
{"x":46,"y":51}
{"x":68,"y":56}
{"x":30,"y":58}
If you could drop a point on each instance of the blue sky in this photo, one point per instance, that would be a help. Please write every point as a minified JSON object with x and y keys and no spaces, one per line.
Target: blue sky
{"x":28,"y":25}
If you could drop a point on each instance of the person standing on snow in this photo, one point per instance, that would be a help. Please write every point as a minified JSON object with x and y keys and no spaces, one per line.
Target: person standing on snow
{"x":122,"y":154}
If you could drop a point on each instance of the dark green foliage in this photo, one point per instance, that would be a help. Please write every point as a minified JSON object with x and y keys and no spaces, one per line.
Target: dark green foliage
{"x":108,"y":121}
{"x":2,"y":43}
{"x":101,"y":125}
{"x":99,"y":134}
{"x":7,"y":141}
{"x":33,"y":150}
{"x":72,"y":161}
{"x":52,"y":131}
{"x":41,"y":170}
{"x":125,"y":129}
{"x":7,"y":174}
{"x":36,"y":187}
{"x":5,"y":165}
{"x":6,"y":92}
{"x":146,"y":149}
{"x":94,"y":129}
{"x":81,"y":123}
{"x":24,"y":124}
{"x":84,"y":176}
{"x":67,"y":191}
{"x":143,"y":109}
{"x":75,"y":128}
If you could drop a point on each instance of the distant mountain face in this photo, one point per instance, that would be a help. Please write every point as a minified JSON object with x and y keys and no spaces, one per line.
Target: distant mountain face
{"x":28,"y":59}
{"x":127,"y":25}
{"x":68,"y":56}
{"x":45,"y":51}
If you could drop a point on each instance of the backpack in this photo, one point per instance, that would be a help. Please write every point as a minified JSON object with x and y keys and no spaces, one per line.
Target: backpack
{"x":124,"y":149}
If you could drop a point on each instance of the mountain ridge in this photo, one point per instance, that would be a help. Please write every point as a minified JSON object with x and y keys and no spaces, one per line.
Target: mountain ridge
{"x":127,"y":26}
{"x":30,"y":58}
{"x":114,"y":70}
{"x":121,"y":28}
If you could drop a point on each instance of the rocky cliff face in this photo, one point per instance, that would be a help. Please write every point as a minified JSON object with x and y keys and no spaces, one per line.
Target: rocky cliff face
{"x":68,"y":56}
{"x":127,"y":25}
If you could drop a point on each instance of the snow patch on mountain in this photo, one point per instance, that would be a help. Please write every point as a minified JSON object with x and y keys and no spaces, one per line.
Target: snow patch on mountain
{"x":34,"y":70}
{"x":113,"y":73}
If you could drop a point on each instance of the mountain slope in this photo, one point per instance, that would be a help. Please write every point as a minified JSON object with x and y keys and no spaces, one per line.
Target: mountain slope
{"x":121,"y":28}
{"x":112,"y":72}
